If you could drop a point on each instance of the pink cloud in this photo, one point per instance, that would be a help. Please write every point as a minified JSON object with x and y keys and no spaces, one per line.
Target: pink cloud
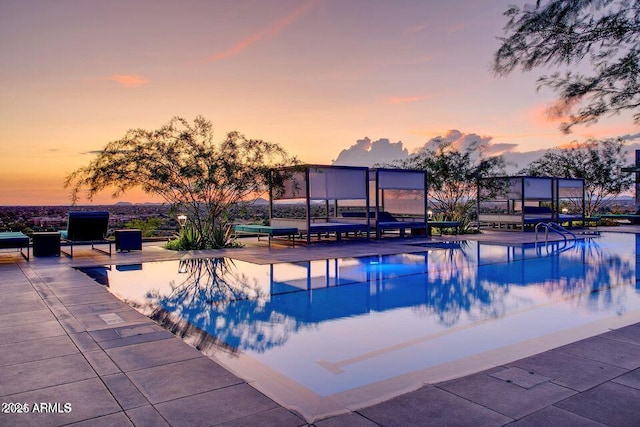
{"x":270,"y":31}
{"x":128,"y":80}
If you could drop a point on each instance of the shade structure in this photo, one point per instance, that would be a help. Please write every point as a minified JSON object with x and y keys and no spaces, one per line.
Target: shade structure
{"x":399,"y":199}
{"x":322,"y":192}
{"x":524,"y":201}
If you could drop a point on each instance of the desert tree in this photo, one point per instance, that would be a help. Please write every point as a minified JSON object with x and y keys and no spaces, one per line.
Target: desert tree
{"x":592,"y":48}
{"x":598,"y":162}
{"x":181,"y":163}
{"x":452,"y":175}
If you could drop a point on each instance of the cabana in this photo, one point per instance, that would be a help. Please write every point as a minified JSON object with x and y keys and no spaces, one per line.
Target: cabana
{"x":524,"y":201}
{"x":515,"y":201}
{"x":569,"y":194}
{"x":324,"y":192}
{"x":400,"y":199}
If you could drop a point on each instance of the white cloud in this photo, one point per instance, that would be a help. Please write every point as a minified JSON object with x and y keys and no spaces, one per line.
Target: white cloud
{"x":367,"y":153}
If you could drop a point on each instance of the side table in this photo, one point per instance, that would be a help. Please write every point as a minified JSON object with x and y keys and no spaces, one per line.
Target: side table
{"x":128,"y":240}
{"x":46,"y":243}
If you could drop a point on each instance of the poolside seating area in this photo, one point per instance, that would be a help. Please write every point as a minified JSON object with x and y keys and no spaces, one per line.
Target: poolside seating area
{"x":87,"y":228}
{"x":521,"y":202}
{"x":15,"y":240}
{"x":632,"y":218}
{"x":266,"y":230}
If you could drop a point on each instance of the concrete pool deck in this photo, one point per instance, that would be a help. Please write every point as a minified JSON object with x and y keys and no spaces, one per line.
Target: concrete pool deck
{"x":70,"y":352}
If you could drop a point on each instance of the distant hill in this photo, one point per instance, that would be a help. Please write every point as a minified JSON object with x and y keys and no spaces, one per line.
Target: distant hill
{"x":260,"y":202}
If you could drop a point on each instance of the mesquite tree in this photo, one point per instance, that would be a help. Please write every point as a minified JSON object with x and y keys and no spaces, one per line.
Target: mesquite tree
{"x":598,"y":162}
{"x":452,"y":176}
{"x":594,"y":45}
{"x":181,"y":163}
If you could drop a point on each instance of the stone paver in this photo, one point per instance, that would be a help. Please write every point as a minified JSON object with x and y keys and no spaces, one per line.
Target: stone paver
{"x":506,"y":397}
{"x":610,"y":403}
{"x":568,"y":370}
{"x":612,"y":352}
{"x":180,"y":379}
{"x":149,"y":354}
{"x":553,"y":416}
{"x":217,"y":406}
{"x":433,"y":404}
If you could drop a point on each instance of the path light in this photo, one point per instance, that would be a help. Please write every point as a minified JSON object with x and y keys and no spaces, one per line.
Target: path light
{"x":182,"y":220}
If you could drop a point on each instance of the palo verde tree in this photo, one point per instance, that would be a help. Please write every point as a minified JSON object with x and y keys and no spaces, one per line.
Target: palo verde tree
{"x":598,"y":162}
{"x":181,"y":163}
{"x":452,"y":176}
{"x":594,"y":45}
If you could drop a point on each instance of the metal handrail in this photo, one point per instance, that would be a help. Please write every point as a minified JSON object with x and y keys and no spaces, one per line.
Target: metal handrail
{"x":553,"y":227}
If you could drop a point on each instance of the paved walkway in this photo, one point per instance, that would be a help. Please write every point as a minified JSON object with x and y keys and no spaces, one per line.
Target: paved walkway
{"x":71,"y":353}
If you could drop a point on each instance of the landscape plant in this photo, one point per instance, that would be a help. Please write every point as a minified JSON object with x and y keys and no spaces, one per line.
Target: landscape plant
{"x":452,"y":177}
{"x":181,"y":163}
{"x":598,"y":162}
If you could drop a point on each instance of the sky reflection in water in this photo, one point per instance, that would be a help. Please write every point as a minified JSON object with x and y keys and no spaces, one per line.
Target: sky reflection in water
{"x":336,"y":324}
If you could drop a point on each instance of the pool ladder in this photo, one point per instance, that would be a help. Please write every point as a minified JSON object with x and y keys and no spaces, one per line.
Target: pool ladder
{"x":555,"y":227}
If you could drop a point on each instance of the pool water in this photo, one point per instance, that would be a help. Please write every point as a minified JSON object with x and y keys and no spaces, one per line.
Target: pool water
{"x":336,"y":325}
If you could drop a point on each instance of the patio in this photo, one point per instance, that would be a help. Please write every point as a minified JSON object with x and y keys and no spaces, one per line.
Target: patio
{"x":65,"y":339}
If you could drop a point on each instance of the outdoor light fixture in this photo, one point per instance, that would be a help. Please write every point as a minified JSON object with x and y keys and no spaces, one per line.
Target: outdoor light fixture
{"x":565,"y":210}
{"x":429,"y":214}
{"x":182,"y":219}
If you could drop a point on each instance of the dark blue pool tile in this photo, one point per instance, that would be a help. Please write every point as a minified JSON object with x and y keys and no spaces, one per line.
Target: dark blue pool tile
{"x":610,"y":403}
{"x":435,"y":405}
{"x":569,"y":371}
{"x":505,"y":397}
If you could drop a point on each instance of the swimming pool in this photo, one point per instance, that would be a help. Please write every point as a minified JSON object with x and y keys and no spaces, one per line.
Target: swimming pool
{"x":322,"y":335}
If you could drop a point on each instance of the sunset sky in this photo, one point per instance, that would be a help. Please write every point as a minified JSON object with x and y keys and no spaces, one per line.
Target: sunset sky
{"x":315,"y":76}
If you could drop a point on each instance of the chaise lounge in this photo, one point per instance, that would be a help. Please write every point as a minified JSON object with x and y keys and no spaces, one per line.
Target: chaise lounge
{"x":266,"y":230}
{"x":15,"y":240}
{"x":87,"y":228}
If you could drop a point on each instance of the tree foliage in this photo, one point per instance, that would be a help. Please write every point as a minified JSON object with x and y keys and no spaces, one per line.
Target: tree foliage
{"x":452,"y":176}
{"x":181,"y":163}
{"x":599,"y":163}
{"x":602,"y":36}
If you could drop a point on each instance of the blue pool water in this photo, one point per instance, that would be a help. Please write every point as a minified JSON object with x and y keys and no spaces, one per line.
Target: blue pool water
{"x":338,"y":324}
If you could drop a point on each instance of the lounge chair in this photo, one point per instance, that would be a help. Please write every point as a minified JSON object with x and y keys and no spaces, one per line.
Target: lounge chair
{"x":632,"y":218}
{"x":15,"y":240}
{"x":86,"y":228}
{"x":266,"y":230}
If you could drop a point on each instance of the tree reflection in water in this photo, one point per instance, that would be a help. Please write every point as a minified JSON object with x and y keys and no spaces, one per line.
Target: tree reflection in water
{"x":215,"y":297}
{"x":233,"y":309}
{"x":453,"y":289}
